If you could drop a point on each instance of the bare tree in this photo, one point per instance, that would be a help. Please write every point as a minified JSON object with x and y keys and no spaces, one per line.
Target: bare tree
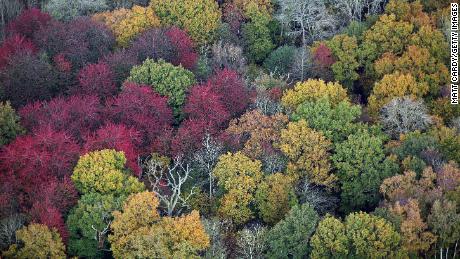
{"x":251,"y":242}
{"x":101,"y":235}
{"x":8,"y":227}
{"x":357,"y":10}
{"x":216,"y":230}
{"x":167,"y":182}
{"x":316,"y":197}
{"x":226,"y":55}
{"x":206,"y":158}
{"x":403,"y":115}
{"x":309,"y":19}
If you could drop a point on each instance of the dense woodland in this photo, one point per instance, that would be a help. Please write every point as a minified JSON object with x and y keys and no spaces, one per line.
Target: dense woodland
{"x":229,"y":129}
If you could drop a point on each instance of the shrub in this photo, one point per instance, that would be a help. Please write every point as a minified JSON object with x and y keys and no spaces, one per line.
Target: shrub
{"x":27,"y":78}
{"x":69,"y":9}
{"x":280,"y":61}
{"x":96,"y":79}
{"x":164,"y":78}
{"x":9,"y":123}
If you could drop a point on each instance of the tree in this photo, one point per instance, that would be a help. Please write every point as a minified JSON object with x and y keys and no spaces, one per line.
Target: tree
{"x":154,"y":44}
{"x":280,"y":61}
{"x":168,"y":181}
{"x":138,"y":230}
{"x":274,"y":197}
{"x":290,"y":237}
{"x":257,"y":34}
{"x":199,"y":18}
{"x":37,"y":241}
{"x":89,"y":223}
{"x":8,"y":228}
{"x":165,"y":78}
{"x":28,"y":22}
{"x":346,"y":63}
{"x":141,"y":108}
{"x":76,"y":115}
{"x":444,"y":220}
{"x":17,"y":75}
{"x":403,"y":115}
{"x":371,"y":236}
{"x":312,"y":90}
{"x":119,"y":138}
{"x":335,"y":122}
{"x":419,"y":63}
{"x":126,"y":24}
{"x":96,"y":79}
{"x":358,"y":10}
{"x":308,"y":153}
{"x":183,"y":46}
{"x":257,"y":133}
{"x":361,"y":167}
{"x":227,"y":55}
{"x":330,"y":239}
{"x":251,"y":242}
{"x":308,"y":19}
{"x":68,"y":10}
{"x":14,"y":45}
{"x":120,"y":63}
{"x":415,"y":237}
{"x":394,"y":85}
{"x":9,"y":122}
{"x":104,"y":172}
{"x":238,"y":176}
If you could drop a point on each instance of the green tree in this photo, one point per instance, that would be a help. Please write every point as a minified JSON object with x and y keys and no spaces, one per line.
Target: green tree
{"x":371,"y":236}
{"x":257,"y":34}
{"x":335,"y":122}
{"x":165,"y":79}
{"x":104,"y":172}
{"x":361,"y":167}
{"x":239,"y":177}
{"x":9,"y":123}
{"x":445,"y":222}
{"x":345,"y":67}
{"x":89,"y":222}
{"x":280,"y":61}
{"x":274,"y":197}
{"x":290,"y":237}
{"x":36,"y":241}
{"x":330,"y":239}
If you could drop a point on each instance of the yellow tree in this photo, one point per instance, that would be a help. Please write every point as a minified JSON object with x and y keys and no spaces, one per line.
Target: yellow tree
{"x":313,"y":90}
{"x":408,"y":12}
{"x":394,"y":85}
{"x":308,"y":153}
{"x":128,"y":23}
{"x":274,"y":197}
{"x":36,"y":241}
{"x":239,"y":177}
{"x":261,"y":4}
{"x":200,"y":18}
{"x":139,"y":231}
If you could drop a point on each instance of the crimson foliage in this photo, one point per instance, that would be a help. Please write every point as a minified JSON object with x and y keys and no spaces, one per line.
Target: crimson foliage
{"x":183,"y":46}
{"x":138,"y":106}
{"x":189,"y":136}
{"x":323,"y":56}
{"x":120,"y":138}
{"x":120,"y":62}
{"x":30,"y":162}
{"x":76,"y":115}
{"x":13,"y":45}
{"x":28,"y":22}
{"x":96,"y":79}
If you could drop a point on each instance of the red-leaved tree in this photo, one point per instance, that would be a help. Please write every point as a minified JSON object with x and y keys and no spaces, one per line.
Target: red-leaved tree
{"x":13,"y":45}
{"x":96,"y":79}
{"x":139,"y":107}
{"x":28,"y":22}
{"x":184,"y":48}
{"x":76,"y":115}
{"x":120,"y":138}
{"x":189,"y":136}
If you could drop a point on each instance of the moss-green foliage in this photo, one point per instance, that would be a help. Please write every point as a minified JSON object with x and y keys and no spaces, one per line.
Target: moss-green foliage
{"x":166,"y":79}
{"x":289,"y":238}
{"x":257,"y":34}
{"x":9,"y":123}
{"x":280,"y":61}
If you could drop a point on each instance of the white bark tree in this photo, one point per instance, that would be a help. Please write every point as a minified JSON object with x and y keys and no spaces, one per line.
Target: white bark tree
{"x":357,"y":10}
{"x":167,"y":182}
{"x":251,"y":242}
